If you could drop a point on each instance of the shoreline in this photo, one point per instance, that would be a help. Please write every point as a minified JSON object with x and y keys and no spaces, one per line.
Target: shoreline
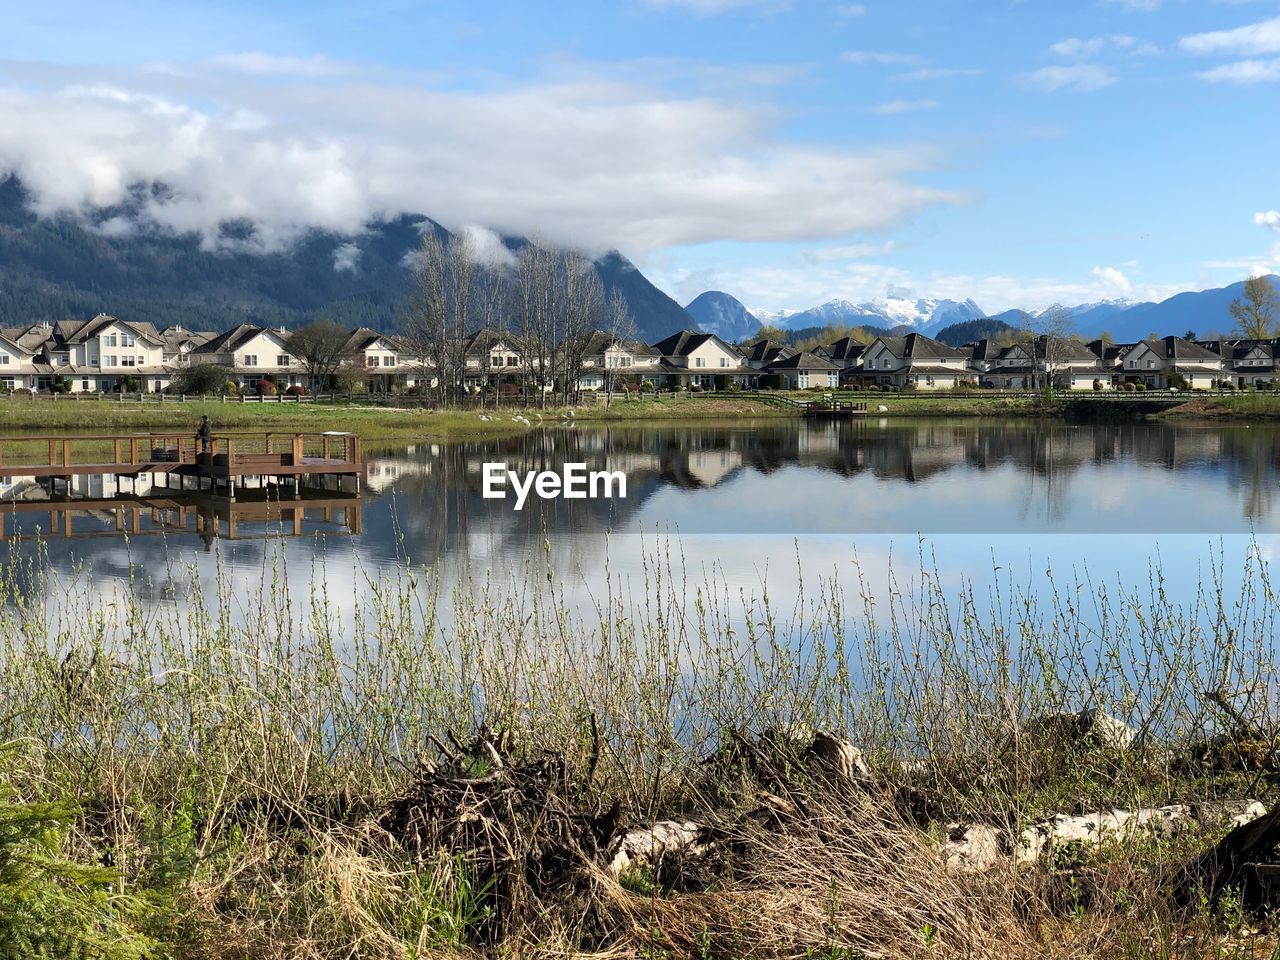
{"x":424,"y":423}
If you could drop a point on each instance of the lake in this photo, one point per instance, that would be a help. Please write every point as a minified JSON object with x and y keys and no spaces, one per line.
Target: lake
{"x":744,"y":504}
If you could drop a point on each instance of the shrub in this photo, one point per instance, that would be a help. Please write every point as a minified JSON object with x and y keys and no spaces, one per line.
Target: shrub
{"x":695,"y":388}
{"x":1140,"y":387}
{"x":1097,"y":384}
{"x":231,"y":388}
{"x":265,"y":388}
{"x":297,"y":390}
{"x":1228,"y":386}
{"x":201,"y":379}
{"x":509,"y":389}
{"x":1178,"y":381}
{"x":21,"y":392}
{"x":647,"y":387}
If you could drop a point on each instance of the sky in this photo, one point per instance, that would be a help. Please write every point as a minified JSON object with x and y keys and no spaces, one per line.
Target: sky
{"x":1016,"y":152}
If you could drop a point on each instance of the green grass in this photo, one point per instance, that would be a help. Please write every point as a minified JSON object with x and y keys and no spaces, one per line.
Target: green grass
{"x":1240,"y":406}
{"x":370,"y":422}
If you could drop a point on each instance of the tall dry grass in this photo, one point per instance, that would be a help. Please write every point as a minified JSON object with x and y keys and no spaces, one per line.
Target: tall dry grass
{"x":224,"y":744}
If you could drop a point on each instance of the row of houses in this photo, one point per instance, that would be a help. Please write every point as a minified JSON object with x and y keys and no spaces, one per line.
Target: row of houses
{"x":107,"y":354}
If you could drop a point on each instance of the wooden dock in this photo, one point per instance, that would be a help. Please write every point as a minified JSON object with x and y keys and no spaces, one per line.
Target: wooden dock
{"x":830,"y":409}
{"x":231,"y":458}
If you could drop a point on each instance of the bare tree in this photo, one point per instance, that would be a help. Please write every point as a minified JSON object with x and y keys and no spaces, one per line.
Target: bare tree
{"x":321,"y":347}
{"x":538,"y":304}
{"x":1047,"y":343}
{"x":621,"y":325}
{"x":440,"y":312}
{"x":1255,"y":313}
{"x":584,"y":313}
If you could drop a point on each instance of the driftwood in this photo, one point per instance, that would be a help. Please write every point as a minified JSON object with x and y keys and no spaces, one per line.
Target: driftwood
{"x":979,"y":847}
{"x":1233,"y":862}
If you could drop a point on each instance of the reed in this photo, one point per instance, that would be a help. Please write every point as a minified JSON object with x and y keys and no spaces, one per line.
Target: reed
{"x":226,"y":749}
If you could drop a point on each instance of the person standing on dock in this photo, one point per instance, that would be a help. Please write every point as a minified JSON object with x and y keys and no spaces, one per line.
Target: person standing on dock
{"x":205,"y":435}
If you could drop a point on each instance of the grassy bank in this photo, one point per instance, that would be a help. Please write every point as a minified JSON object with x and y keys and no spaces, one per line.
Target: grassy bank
{"x":19,"y":414}
{"x":1244,"y":406}
{"x":270,"y":774}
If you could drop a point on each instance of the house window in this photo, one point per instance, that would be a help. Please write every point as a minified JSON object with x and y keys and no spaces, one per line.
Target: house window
{"x":7,"y":382}
{"x":885,"y":363}
{"x":388,"y":361}
{"x":126,"y":340}
{"x":109,"y":361}
{"x":512,"y":361}
{"x":109,"y":340}
{"x":495,"y":360}
{"x":699,"y":362}
{"x":127,"y":362}
{"x":62,"y":360}
{"x":802,"y":381}
{"x":250,"y":359}
{"x":370,"y":361}
{"x":1151,"y":364}
{"x":84,"y":384}
{"x":4,"y":359}
{"x":283,"y":360}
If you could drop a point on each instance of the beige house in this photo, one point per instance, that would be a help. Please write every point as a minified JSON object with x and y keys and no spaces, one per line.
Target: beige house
{"x":252,"y":353}
{"x":916,"y":361}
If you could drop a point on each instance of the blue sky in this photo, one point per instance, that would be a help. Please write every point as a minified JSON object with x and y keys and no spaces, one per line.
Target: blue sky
{"x":1019,"y":153}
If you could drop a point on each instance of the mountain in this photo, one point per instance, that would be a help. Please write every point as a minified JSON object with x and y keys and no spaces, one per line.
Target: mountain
{"x":64,"y":266}
{"x":1206,"y":312}
{"x":969,"y":331}
{"x":772,"y":318}
{"x":923,"y":315}
{"x":719,"y":313}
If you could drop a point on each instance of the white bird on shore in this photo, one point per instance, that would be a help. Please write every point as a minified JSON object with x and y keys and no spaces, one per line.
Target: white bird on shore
{"x":485,"y":416}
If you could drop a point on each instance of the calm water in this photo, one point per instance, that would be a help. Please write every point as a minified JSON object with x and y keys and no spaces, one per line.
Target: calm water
{"x":745,"y":502}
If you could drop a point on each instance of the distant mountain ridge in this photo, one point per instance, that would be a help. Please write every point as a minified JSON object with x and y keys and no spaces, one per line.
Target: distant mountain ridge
{"x":1204,"y":312}
{"x":65,"y":267}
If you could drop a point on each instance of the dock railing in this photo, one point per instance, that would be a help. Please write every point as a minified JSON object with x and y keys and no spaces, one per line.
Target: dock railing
{"x":229,"y":452}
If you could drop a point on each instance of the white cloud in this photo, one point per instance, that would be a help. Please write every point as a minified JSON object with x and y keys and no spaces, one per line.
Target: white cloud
{"x":1113,"y":279}
{"x":848,"y":251}
{"x":710,"y":8}
{"x":1269,"y":219}
{"x":1078,"y":48}
{"x":1243,"y":72}
{"x":937,"y":73}
{"x":596,"y":162}
{"x":890,"y":107}
{"x":1143,"y":6}
{"x":1250,"y":40}
{"x":880,"y":57}
{"x":852,"y":10}
{"x":1080,"y":77}
{"x":265,"y":64}
{"x":346,"y":256}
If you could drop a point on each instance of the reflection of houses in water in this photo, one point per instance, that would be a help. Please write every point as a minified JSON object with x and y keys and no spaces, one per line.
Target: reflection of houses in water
{"x":383,"y":473}
{"x":712,"y":467}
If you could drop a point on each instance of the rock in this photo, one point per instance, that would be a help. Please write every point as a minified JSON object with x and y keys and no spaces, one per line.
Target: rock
{"x":1091,"y":724}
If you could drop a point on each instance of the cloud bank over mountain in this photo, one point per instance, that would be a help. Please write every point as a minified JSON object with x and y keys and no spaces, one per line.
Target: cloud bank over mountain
{"x":291,"y":142}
